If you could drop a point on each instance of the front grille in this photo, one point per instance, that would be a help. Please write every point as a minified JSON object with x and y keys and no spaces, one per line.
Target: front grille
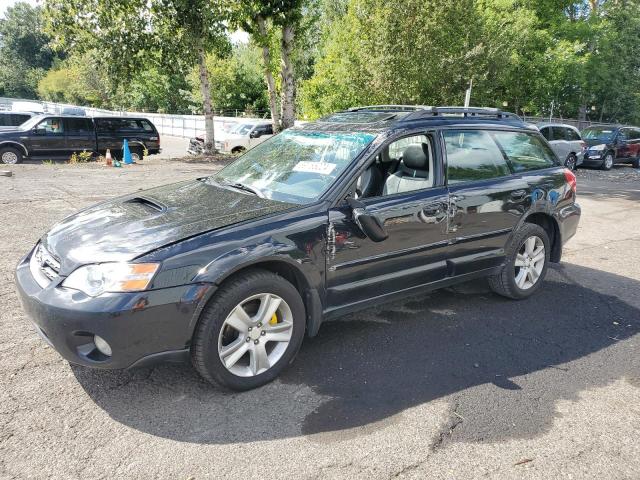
{"x":44,"y":266}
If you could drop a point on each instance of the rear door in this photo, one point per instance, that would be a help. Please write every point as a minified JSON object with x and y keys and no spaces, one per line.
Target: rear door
{"x":80,"y":135}
{"x":633,"y":143}
{"x":47,"y":139}
{"x":575,"y":141}
{"x":486,"y":199}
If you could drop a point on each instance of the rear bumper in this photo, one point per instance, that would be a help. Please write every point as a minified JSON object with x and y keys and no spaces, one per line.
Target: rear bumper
{"x":141,"y":328}
{"x":568,"y":220}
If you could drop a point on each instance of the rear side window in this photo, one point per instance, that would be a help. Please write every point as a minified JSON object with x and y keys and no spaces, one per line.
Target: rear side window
{"x":525,"y":151}
{"x":119,"y":125}
{"x":78,"y":125}
{"x":473,"y":155}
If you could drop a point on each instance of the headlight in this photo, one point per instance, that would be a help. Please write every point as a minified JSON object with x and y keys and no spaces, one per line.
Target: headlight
{"x":598,"y":148}
{"x":111,"y":277}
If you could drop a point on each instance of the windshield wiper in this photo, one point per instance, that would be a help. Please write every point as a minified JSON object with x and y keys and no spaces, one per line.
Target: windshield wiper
{"x":246,"y":188}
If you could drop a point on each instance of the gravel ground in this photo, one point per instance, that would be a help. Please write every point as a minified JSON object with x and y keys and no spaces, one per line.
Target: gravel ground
{"x":458,"y":383}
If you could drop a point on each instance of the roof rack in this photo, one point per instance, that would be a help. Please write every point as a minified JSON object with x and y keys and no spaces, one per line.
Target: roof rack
{"x":464,"y":111}
{"x":402,"y":108}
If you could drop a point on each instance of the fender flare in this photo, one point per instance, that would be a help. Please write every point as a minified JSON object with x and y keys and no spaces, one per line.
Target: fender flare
{"x":15,"y":144}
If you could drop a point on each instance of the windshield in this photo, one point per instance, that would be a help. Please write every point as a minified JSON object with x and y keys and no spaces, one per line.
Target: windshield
{"x":242,"y":128}
{"x":295,"y":166}
{"x":591,"y":133}
{"x":29,"y":124}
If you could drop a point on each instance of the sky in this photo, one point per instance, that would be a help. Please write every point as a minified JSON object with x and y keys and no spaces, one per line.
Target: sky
{"x":4,"y":4}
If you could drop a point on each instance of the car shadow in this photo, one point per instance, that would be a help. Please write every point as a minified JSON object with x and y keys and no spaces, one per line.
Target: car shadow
{"x":500,"y":364}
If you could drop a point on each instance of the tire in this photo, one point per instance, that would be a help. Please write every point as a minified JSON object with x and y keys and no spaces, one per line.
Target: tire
{"x":238,"y":150}
{"x":10,"y":156}
{"x":506,"y":282}
{"x":571,"y":162}
{"x":607,"y":163}
{"x":137,"y":154}
{"x":214,"y":334}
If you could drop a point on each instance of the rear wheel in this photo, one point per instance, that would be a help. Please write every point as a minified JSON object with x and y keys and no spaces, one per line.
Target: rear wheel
{"x":10,"y":155}
{"x":607,"y":163}
{"x":526,"y":265}
{"x":249,"y":332}
{"x":137,"y":154}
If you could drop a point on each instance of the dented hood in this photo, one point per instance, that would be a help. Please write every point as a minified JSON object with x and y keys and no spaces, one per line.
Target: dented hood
{"x":127,"y":227}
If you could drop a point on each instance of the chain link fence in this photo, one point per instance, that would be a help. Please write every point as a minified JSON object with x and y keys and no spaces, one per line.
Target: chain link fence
{"x":566,"y":121}
{"x":185,"y":126}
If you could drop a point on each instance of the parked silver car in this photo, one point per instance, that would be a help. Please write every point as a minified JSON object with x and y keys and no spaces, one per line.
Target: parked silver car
{"x":566,"y":142}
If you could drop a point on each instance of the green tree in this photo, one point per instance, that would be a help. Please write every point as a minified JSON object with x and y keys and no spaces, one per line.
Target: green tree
{"x":24,"y":51}
{"x":171,"y":35}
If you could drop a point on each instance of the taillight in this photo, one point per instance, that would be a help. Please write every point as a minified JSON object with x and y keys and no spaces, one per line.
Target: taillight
{"x":571,"y":180}
{"x":584,"y":146}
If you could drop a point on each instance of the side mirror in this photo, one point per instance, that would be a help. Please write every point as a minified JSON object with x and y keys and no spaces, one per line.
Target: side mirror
{"x":254,"y":134}
{"x":368,"y":223}
{"x":40,"y":131}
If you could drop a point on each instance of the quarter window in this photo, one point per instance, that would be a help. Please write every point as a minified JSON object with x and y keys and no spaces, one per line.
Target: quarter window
{"x":525,"y":151}
{"x":572,"y":135}
{"x":473,"y":155}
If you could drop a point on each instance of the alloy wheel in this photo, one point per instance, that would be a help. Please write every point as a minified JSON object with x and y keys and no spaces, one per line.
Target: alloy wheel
{"x":9,"y":158}
{"x":571,"y":161}
{"x":529,"y":262}
{"x":608,"y":161}
{"x":255,"y":335}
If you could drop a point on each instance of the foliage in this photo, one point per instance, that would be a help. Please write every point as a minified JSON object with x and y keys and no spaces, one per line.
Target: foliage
{"x":24,"y":51}
{"x":236,"y":81}
{"x":80,"y":157}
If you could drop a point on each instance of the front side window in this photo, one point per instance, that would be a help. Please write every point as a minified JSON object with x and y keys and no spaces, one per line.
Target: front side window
{"x":473,"y":155}
{"x":295,"y":166}
{"x":51,"y":126}
{"x":572,"y":135}
{"x":525,"y":151}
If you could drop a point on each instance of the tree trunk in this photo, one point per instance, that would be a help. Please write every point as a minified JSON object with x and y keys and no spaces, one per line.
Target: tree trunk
{"x":268,"y":76}
{"x":205,"y":89}
{"x":288,"y":97}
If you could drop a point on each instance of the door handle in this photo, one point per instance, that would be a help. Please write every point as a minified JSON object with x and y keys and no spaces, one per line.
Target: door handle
{"x":433,"y":213}
{"x":518,"y":194}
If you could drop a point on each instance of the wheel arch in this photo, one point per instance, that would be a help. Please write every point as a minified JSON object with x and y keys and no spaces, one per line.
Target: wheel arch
{"x":288,"y":270}
{"x":14,"y":144}
{"x":550,"y":225}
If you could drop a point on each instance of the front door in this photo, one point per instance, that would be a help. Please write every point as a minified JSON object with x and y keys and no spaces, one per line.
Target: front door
{"x":47,"y":139}
{"x":411,"y":203}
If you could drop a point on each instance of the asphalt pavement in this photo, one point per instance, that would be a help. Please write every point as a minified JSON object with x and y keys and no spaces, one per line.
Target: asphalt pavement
{"x":457,"y":383}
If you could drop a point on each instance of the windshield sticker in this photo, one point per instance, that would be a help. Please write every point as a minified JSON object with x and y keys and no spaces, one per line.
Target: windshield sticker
{"x":323,"y":168}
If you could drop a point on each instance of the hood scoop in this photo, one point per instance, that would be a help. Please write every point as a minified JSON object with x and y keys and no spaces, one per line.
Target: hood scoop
{"x":149,"y":203}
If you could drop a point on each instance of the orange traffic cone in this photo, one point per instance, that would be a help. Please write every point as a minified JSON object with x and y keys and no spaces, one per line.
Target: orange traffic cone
{"x":108,"y":158}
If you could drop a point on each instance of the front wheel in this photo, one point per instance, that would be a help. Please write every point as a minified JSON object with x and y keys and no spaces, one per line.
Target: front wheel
{"x":571,"y":162}
{"x":607,"y":163}
{"x":250,"y":331}
{"x":527,"y":257}
{"x":10,"y":156}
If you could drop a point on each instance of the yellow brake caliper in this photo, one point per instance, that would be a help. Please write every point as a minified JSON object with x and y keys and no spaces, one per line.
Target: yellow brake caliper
{"x":274,"y":320}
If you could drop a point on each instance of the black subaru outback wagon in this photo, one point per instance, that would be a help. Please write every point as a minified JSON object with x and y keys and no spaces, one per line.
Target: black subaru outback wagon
{"x":360,"y":207}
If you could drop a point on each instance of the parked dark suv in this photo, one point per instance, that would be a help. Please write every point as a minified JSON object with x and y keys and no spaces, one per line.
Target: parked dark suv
{"x":57,"y":137}
{"x":364,"y":206}
{"x":608,"y":145}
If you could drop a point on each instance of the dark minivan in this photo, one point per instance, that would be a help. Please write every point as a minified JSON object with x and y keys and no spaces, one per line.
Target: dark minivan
{"x":364,"y":206}
{"x":607,"y":145}
{"x":57,"y":137}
